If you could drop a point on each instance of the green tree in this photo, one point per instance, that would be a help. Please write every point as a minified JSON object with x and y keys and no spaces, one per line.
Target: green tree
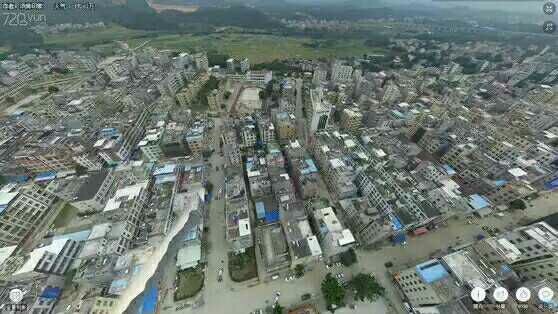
{"x":278,"y":309}
{"x":518,"y":204}
{"x":366,"y":287}
{"x":81,"y":170}
{"x":53,"y":89}
{"x":418,"y":135}
{"x":333,"y":292}
{"x":299,"y":270}
{"x":227,"y":94}
{"x":348,"y":257}
{"x":209,"y":186}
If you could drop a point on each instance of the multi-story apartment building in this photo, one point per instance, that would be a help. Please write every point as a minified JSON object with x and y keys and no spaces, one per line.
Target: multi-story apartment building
{"x":244,"y":65}
{"x":171,"y":84}
{"x":531,"y":251}
{"x":44,"y":159}
{"x":22,"y":211}
{"x":341,"y":73}
{"x":267,"y":131}
{"x":196,"y":138}
{"x":366,"y":222}
{"x":55,"y":258}
{"x":237,"y":218}
{"x":258,"y":177}
{"x":444,"y":285}
{"x":285,"y":126}
{"x":126,"y":206}
{"x":134,"y":134}
{"x":201,"y":61}
{"x":318,"y":111}
{"x":306,"y":177}
{"x":333,"y":237}
{"x":232,"y":152}
{"x":215,"y":99}
{"x":319,"y":76}
{"x":189,"y":93}
{"x":248,"y":135}
{"x":351,"y":120}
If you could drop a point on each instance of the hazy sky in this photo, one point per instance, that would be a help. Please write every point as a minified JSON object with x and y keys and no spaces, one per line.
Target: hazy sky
{"x":534,"y":7}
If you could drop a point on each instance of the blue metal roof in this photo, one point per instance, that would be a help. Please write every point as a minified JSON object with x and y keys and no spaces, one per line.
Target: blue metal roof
{"x":398,"y":114}
{"x":17,"y":113}
{"x":45,"y":176}
{"x":119,"y":283}
{"x":51,"y":293}
{"x":500,"y":182}
{"x":191,"y":235}
{"x":396,"y":224}
{"x":165,"y":178}
{"x":448,"y":169}
{"x":505,"y":269}
{"x":398,"y":238}
{"x":478,"y":202}
{"x":260,"y":210}
{"x":166,"y":169}
{"x":552,"y":184}
{"x":311,"y":167}
{"x":271,"y":216}
{"x":76,"y":236}
{"x":149,"y":301}
{"x":431,"y":271}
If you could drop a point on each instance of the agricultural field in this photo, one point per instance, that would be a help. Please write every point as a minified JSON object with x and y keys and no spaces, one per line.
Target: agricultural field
{"x":260,"y":48}
{"x":92,"y":37}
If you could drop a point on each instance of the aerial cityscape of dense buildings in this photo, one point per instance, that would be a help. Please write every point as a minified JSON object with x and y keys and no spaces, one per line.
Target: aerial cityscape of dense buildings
{"x":150,"y":180}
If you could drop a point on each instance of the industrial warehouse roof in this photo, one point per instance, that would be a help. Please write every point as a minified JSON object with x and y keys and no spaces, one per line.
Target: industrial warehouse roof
{"x":431,"y":271}
{"x":478,"y":202}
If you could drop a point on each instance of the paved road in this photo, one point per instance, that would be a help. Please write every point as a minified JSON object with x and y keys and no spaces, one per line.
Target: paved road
{"x":300,"y":121}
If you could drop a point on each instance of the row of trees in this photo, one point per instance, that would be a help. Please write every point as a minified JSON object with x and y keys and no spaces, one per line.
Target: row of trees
{"x":364,"y":286}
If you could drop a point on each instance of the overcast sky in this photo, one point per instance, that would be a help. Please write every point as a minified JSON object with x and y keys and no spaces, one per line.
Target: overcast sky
{"x":517,"y":6}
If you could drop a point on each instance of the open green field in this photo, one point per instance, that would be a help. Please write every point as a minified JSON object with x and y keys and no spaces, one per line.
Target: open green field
{"x":259,"y":48}
{"x":243,"y":266}
{"x":92,"y":37}
{"x":190,"y":282}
